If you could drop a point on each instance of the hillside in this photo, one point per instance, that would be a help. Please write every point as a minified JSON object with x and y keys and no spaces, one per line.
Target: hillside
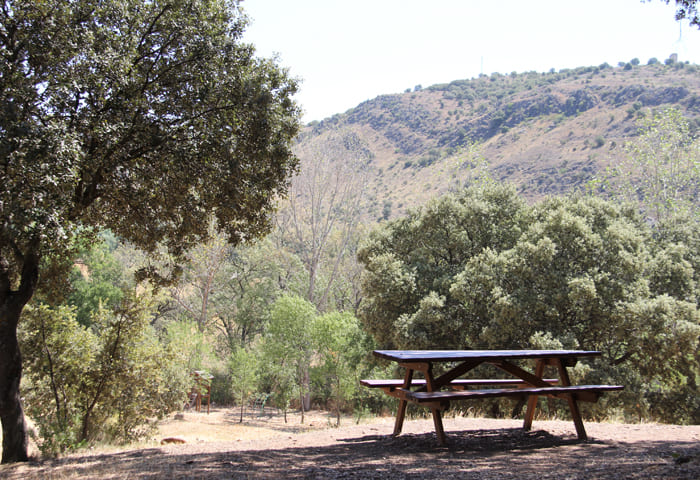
{"x":548,"y":133}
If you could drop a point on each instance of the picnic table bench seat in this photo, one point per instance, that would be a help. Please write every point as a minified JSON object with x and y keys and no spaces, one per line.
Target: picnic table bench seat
{"x":459,"y":391}
{"x":586,"y":393}
{"x":457,"y":383}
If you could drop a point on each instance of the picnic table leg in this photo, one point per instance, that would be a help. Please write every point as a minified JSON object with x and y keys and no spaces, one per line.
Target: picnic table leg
{"x":439,"y":430}
{"x":573,"y":405}
{"x":401,"y":412}
{"x":437,"y":416}
{"x":532,"y":399}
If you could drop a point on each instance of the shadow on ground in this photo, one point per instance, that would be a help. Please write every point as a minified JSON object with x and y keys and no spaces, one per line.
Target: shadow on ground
{"x":473,"y":454}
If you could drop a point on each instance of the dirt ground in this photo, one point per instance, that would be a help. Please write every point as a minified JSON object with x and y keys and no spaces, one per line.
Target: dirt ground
{"x":217,"y":446}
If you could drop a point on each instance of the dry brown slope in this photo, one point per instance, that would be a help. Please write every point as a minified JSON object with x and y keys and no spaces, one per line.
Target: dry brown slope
{"x":547,"y":133}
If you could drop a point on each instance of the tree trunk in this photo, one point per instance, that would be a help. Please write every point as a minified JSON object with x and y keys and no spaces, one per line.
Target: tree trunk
{"x":306,"y":389}
{"x":85,"y":426}
{"x":14,"y":431}
{"x":301,"y":400}
{"x":14,"y":428}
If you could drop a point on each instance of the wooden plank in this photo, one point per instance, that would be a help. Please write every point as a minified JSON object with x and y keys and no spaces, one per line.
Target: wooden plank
{"x":573,"y":406}
{"x":420,"y":397}
{"x":431,"y":387}
{"x":401,"y":412}
{"x":410,"y":356}
{"x":423,"y":367}
{"x":461,"y":369}
{"x":428,"y":392}
{"x":439,"y":429}
{"x":535,"y":380}
{"x":457,"y":383}
{"x":532,"y":400}
{"x":463,"y":383}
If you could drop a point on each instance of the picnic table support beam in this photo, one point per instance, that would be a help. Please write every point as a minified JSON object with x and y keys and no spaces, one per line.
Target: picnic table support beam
{"x":454,"y":373}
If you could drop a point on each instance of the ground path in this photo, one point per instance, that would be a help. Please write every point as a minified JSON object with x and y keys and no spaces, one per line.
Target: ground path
{"x":219,"y":447}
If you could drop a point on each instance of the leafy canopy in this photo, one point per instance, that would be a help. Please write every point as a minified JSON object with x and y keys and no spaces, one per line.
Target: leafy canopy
{"x":411,"y":263}
{"x":580,"y":272}
{"x":141,"y":117}
{"x":661,"y":170}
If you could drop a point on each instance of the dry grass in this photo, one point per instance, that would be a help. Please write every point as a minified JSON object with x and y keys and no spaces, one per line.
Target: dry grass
{"x":223,"y":424}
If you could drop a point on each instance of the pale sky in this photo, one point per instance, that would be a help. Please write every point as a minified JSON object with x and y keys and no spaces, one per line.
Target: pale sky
{"x":346,"y":52}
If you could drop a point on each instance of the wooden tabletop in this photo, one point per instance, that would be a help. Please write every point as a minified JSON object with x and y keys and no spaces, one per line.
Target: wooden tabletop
{"x":486,"y":355}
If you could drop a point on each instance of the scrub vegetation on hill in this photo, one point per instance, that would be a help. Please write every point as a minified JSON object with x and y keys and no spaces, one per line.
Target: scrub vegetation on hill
{"x":547,"y":133}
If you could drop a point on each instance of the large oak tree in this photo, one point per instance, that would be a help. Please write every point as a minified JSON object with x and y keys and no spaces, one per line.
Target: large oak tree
{"x":147,"y":117}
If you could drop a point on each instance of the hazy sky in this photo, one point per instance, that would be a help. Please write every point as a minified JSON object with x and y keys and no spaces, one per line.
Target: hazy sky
{"x":346,"y":52}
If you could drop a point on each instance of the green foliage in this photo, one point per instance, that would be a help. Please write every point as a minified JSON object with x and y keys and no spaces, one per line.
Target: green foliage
{"x":97,"y":279}
{"x":679,"y":238}
{"x":106,"y":382}
{"x":190,"y":346}
{"x":386,"y":210}
{"x":220,"y":383}
{"x":567,"y":272}
{"x":288,"y":347}
{"x":146,"y":104}
{"x":340,"y":348}
{"x":247,"y":288}
{"x":144,"y":118}
{"x":57,"y":348}
{"x":243,"y":375}
{"x":201,"y":272}
{"x":662,"y":170}
{"x":227,"y":291}
{"x":411,"y":263}
{"x":565,"y":275}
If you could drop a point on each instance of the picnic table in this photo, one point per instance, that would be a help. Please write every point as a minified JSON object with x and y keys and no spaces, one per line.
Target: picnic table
{"x":437,"y":392}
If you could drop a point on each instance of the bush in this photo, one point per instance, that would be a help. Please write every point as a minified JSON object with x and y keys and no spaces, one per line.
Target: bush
{"x":221,"y":388}
{"x":485,"y":271}
{"x":107,"y":382}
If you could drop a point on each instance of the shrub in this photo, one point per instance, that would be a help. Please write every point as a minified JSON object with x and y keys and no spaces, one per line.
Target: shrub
{"x":106,"y":382}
